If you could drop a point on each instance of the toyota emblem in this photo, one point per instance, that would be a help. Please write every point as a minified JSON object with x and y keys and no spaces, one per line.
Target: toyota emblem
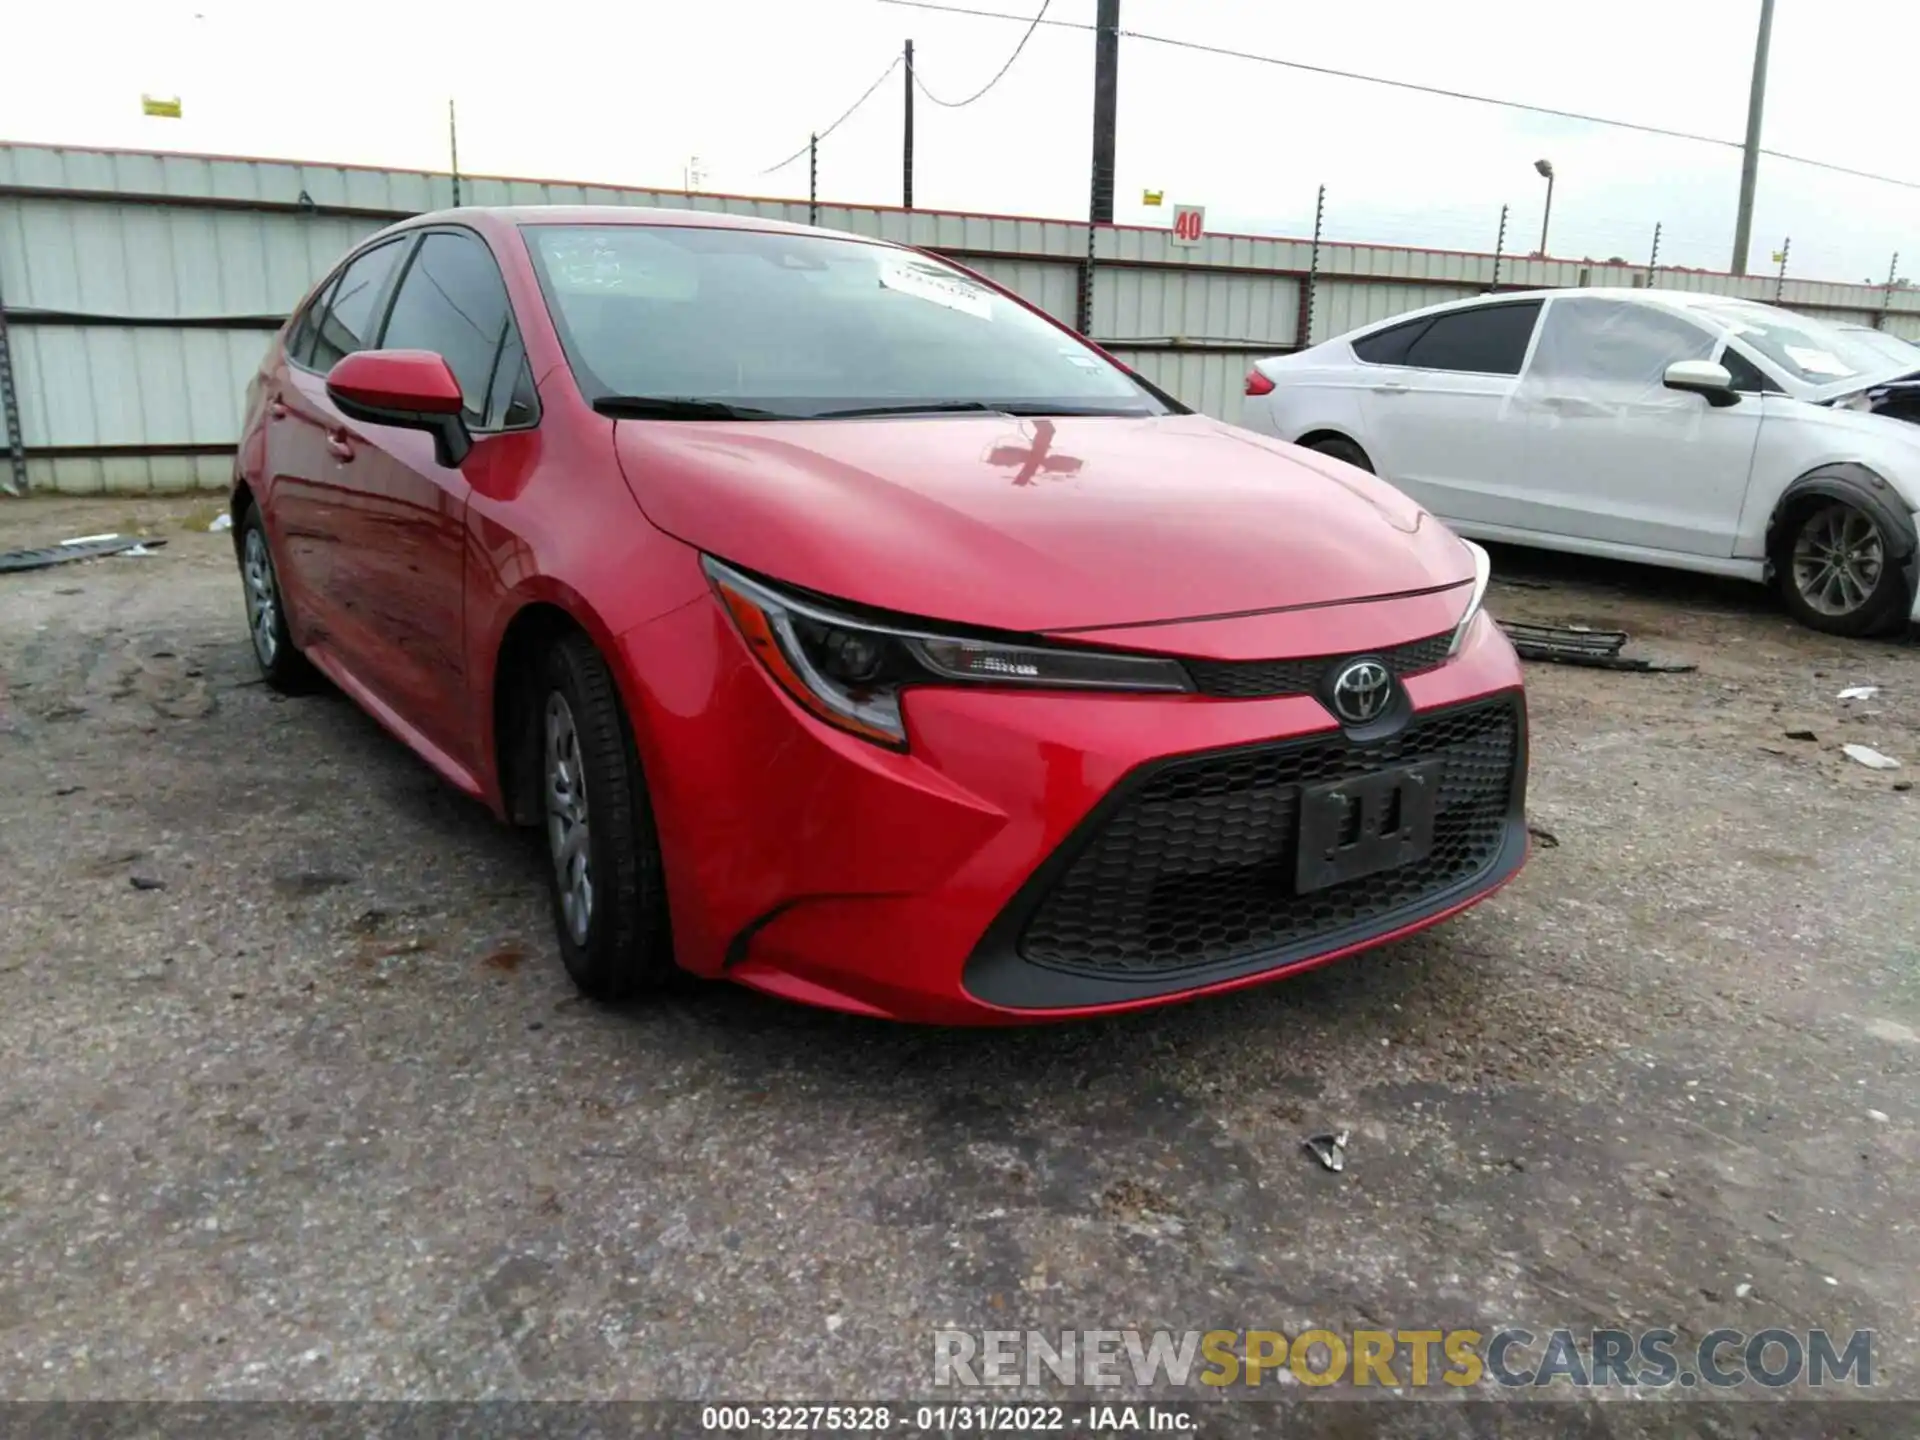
{"x":1361,"y":691}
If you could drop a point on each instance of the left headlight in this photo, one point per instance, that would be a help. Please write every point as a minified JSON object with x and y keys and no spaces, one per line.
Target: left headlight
{"x":1482,"y":573}
{"x":850,"y":670}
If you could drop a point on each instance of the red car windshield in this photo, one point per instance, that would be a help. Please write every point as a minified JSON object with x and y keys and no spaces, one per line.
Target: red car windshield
{"x":785,"y":326}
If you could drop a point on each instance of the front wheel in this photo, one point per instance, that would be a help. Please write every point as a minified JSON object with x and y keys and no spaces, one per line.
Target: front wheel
{"x":604,"y":871}
{"x":1837,"y":573}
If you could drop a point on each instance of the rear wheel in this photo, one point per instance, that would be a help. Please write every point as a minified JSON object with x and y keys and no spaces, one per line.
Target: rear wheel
{"x":282,"y":666}
{"x":1837,"y":573}
{"x":604,"y":872}
{"x":1341,"y":448}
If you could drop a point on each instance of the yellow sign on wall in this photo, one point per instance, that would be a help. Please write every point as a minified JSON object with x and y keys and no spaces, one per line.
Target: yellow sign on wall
{"x":164,"y":107}
{"x":1153,"y":197}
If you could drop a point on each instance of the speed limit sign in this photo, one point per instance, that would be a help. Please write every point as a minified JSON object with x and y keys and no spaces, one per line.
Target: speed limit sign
{"x":1189,"y":224}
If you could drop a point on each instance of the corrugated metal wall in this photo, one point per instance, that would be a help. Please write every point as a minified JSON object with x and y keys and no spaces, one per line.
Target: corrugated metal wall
{"x":140,"y":289}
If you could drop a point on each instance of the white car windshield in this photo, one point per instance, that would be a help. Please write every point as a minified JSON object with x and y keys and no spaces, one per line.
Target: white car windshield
{"x":775,"y":325}
{"x":1817,"y":355}
{"x":1903,"y":353}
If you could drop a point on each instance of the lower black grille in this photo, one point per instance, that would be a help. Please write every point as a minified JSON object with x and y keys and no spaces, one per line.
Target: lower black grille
{"x":1195,"y":866}
{"x":1248,"y":679}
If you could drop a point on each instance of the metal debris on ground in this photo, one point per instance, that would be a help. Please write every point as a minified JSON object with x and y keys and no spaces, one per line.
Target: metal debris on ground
{"x":1870,"y":757}
{"x":1801,"y":735}
{"x":85,"y":547}
{"x":1329,"y":1149}
{"x":1859,"y":692}
{"x":1582,"y":645}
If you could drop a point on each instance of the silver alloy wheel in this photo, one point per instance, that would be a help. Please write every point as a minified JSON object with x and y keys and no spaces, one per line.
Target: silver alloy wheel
{"x":567,"y":833}
{"x":263,"y":598}
{"x":1837,"y":560}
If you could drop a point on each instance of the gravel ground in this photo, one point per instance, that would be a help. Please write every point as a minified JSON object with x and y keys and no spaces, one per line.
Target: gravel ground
{"x":299,"y":1103}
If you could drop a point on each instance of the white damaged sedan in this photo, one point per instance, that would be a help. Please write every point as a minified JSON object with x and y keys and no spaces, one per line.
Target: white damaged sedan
{"x":1659,"y":426}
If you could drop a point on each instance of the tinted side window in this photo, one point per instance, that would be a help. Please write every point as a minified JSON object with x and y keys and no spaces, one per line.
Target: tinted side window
{"x":300,"y":338}
{"x":1488,"y":340}
{"x":454,"y":303}
{"x":1389,"y":347}
{"x":347,"y":322}
{"x":1747,"y":378}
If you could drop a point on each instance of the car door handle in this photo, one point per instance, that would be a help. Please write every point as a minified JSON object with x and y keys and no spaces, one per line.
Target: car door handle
{"x":1390,"y":388}
{"x":339,"y":445}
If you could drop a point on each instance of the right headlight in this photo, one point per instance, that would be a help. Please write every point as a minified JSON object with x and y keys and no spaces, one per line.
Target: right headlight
{"x":1482,"y":573}
{"x":849,"y":670}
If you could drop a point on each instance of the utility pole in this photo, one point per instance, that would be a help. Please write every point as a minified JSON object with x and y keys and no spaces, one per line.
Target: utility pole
{"x":1750,"y":161}
{"x":453,"y":151}
{"x":906,"y":157}
{"x":1106,"y":111}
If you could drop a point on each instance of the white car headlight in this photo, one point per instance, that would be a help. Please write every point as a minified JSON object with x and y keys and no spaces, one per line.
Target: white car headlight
{"x":1482,"y":573}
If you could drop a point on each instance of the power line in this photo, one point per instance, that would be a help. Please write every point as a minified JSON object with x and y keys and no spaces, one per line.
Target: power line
{"x":1417,"y":88}
{"x":960,"y":104}
{"x":816,"y":139}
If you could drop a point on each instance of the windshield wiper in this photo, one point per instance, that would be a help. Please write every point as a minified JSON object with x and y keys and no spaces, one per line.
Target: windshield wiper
{"x":678,"y":407}
{"x":965,"y":407}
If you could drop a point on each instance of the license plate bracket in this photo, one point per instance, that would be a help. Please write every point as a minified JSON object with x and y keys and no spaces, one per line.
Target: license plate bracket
{"x":1365,"y":824}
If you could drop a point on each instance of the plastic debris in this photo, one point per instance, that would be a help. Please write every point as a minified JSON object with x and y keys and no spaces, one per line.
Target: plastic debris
{"x":86,"y":547}
{"x":92,"y":539}
{"x":1859,"y":692}
{"x":1801,"y":735}
{"x":1582,"y":645}
{"x":222,"y":521}
{"x":1329,"y":1149}
{"x":1879,"y":1117}
{"x":1742,"y":1290}
{"x":1866,"y":755}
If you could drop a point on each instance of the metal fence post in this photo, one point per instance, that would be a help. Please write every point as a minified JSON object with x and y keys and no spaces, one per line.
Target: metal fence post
{"x":1886,"y":296}
{"x":1303,"y":332}
{"x":1499,"y":248}
{"x":1780,"y":281}
{"x":1653,"y":256}
{"x":16,"y":481}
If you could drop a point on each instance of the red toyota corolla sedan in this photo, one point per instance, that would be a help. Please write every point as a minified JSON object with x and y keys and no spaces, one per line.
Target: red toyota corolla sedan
{"x":858,"y":633}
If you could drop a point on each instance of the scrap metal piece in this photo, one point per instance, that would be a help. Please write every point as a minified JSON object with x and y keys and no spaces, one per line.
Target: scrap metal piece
{"x":1329,"y":1149}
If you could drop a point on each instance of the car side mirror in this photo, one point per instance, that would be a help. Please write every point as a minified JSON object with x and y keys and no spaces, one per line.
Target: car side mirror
{"x":413,"y":389}
{"x":1703,"y":377}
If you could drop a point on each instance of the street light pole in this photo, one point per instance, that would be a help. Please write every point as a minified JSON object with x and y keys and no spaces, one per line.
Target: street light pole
{"x":1750,"y":160}
{"x":1545,"y":167}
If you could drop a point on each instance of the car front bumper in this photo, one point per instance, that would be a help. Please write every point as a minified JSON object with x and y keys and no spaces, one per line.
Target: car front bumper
{"x":1044,"y":856}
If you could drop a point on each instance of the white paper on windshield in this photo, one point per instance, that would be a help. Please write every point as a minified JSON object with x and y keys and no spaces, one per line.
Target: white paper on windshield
{"x":1819,"y":362}
{"x":939,"y":287}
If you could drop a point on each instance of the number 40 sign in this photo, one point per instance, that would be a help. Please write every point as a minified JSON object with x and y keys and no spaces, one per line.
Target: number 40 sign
{"x":1189,"y":224}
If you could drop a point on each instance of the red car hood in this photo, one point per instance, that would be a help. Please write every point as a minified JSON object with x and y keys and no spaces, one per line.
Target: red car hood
{"x":1036,"y":524}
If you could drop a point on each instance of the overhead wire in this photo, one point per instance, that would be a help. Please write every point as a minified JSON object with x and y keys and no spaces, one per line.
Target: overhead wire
{"x":845,"y":115}
{"x":998,"y":74}
{"x":1421,"y":89}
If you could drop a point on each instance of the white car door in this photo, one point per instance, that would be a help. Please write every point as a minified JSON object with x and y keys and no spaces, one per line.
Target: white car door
{"x":1612,"y":455}
{"x":1436,"y":396}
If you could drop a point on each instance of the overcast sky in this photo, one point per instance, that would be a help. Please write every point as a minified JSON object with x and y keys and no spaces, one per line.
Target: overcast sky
{"x":629,"y":92}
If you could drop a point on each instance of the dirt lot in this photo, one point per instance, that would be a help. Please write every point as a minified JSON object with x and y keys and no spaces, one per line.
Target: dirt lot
{"x":298,"y":1102}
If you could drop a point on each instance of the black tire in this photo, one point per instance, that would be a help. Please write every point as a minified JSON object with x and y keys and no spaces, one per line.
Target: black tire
{"x":1341,"y":448}
{"x":1838,"y":570}
{"x":624,"y":948}
{"x":281,"y":666}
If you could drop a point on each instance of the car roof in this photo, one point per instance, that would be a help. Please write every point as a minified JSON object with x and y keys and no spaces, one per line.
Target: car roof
{"x":1669,"y":299}
{"x":515,"y":215}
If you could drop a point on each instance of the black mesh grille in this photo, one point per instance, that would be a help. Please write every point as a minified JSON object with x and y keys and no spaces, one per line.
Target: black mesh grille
{"x":1248,"y":679}
{"x":1196,"y":866}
